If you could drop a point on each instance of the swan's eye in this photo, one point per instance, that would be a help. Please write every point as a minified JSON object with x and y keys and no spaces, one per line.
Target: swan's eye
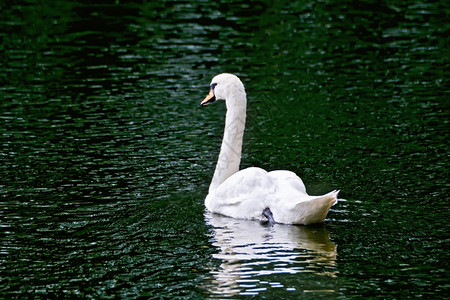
{"x":213,"y":85}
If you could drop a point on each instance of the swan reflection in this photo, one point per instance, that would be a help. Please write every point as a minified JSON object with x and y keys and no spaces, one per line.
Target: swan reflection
{"x":249,"y":250}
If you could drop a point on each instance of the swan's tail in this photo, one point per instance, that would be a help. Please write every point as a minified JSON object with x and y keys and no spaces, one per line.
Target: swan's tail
{"x":334,"y":193}
{"x":316,"y":209}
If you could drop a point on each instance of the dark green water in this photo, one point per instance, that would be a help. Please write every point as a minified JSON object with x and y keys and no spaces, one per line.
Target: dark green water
{"x":106,"y":156}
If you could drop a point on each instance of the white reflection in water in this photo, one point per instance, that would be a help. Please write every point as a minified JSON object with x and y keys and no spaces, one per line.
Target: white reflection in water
{"x":250,"y":250}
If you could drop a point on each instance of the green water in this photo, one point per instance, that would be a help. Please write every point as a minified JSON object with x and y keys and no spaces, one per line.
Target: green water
{"x":106,"y":155}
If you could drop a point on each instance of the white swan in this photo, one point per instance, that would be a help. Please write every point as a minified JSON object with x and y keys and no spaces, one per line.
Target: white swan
{"x":253,"y":193}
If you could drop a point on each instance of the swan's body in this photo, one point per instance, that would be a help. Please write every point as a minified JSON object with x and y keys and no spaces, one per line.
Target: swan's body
{"x":252,"y":193}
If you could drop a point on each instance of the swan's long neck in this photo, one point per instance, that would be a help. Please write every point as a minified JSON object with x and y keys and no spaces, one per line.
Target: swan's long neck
{"x":231,"y":149}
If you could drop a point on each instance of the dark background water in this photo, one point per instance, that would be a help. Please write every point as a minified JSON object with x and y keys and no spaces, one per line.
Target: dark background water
{"x":106,"y":156}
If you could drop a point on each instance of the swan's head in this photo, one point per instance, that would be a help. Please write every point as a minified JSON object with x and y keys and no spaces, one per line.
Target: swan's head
{"x":223,"y":87}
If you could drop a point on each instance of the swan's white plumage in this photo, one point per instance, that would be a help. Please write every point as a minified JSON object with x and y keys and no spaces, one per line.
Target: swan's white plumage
{"x":246,"y":193}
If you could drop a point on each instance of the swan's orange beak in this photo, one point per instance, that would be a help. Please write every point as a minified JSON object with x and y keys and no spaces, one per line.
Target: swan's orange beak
{"x":210,"y":98}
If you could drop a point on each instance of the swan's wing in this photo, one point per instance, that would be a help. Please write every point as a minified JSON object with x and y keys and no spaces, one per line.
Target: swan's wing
{"x":291,"y":204}
{"x":242,"y":195}
{"x":250,"y":181}
{"x":287,"y":182}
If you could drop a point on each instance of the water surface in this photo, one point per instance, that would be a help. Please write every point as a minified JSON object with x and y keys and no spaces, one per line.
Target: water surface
{"x":106,"y":155}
